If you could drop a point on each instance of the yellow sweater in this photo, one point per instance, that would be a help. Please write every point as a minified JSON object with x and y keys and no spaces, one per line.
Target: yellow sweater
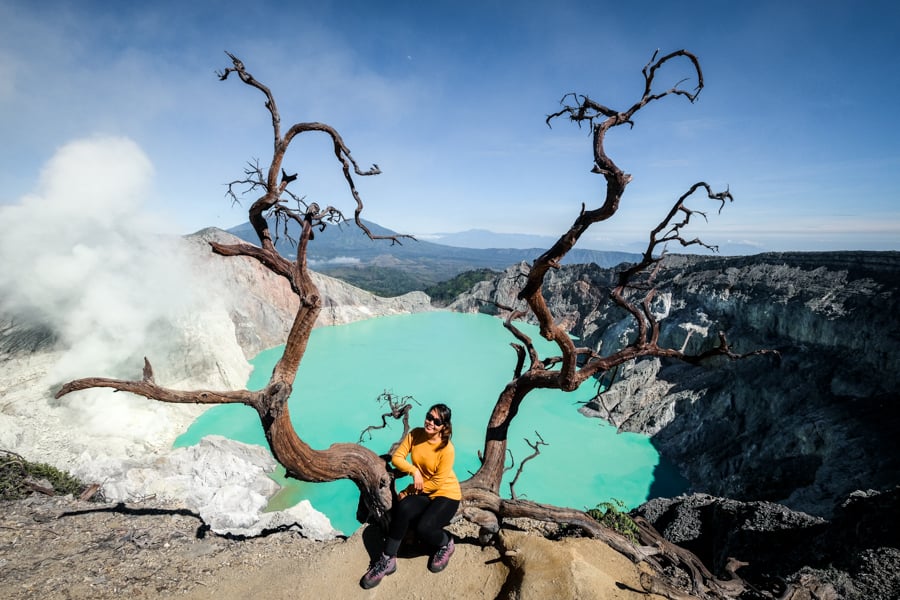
{"x":436,"y":466}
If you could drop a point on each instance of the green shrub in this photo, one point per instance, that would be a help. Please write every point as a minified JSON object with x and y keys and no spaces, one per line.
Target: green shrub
{"x":15,"y":472}
{"x":613,"y":515}
{"x":386,"y":282}
{"x":445,"y":292}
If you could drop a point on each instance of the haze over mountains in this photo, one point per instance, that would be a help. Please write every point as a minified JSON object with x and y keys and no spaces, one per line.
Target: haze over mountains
{"x":347,"y":253}
{"x":483,"y":238}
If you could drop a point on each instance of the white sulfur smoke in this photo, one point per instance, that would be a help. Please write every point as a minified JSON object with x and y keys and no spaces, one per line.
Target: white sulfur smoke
{"x":84,"y":257}
{"x":81,"y":255}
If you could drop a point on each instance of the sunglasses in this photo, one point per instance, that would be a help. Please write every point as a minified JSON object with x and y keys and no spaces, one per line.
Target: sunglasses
{"x":434,"y":420}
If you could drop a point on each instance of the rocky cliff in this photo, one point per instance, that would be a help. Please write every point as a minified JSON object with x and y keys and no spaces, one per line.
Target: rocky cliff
{"x":262,"y":306}
{"x":804,"y":431}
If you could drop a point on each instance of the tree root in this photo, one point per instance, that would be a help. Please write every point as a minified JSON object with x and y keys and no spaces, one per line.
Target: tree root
{"x":487,"y":510}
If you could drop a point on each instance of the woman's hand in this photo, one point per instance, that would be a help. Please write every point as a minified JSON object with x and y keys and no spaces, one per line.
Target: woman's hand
{"x":418,"y":482}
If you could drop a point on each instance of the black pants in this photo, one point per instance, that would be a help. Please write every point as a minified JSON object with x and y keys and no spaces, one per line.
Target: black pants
{"x":433,"y":513}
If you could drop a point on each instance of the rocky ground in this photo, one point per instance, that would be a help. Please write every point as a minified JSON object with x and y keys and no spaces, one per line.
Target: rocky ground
{"x":60,"y":548}
{"x":853,"y":556}
{"x":52,"y":547}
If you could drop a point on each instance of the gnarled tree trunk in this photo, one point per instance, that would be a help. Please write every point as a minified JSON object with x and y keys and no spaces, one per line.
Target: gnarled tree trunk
{"x":340,"y":461}
{"x":573,"y":365}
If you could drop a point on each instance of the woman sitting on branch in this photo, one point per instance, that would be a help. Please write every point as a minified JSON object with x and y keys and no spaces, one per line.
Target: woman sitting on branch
{"x":432,"y":497}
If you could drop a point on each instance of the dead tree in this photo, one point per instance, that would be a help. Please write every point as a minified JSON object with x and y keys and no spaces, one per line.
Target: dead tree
{"x":573,"y":364}
{"x":566,"y":371}
{"x":278,"y":205}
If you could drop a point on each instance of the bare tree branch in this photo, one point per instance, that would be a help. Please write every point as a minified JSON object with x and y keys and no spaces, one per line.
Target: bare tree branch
{"x":274,"y":188}
{"x":536,"y":447}
{"x":399,"y":408}
{"x":148,"y":389}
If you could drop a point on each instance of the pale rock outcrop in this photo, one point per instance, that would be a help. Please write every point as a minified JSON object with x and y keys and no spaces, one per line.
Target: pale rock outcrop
{"x":262,"y":305}
{"x":226,"y":482}
{"x":569,"y":568}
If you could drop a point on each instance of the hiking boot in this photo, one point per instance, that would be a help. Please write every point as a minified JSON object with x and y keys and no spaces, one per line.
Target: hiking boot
{"x":441,"y":558}
{"x":385,"y":565}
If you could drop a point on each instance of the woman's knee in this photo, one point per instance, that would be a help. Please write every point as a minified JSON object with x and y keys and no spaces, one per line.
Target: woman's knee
{"x":436,"y":518}
{"x":410,"y":507}
{"x":430,"y":531}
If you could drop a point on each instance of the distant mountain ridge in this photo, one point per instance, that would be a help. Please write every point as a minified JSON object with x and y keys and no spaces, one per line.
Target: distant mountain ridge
{"x":345,"y":251}
{"x":484,"y":238}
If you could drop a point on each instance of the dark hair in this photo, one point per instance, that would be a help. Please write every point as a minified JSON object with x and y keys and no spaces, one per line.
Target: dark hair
{"x":444,"y":413}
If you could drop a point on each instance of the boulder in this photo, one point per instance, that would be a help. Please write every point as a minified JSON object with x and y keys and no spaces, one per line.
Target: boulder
{"x":852,"y":555}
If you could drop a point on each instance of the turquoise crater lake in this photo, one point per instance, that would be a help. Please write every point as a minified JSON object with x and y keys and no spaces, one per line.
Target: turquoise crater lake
{"x":462,"y":360}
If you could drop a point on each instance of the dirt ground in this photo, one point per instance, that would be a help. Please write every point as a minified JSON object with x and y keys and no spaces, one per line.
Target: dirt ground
{"x":54,"y":548}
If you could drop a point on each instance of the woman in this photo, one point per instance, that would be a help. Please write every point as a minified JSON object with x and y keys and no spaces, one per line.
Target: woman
{"x":432,"y":497}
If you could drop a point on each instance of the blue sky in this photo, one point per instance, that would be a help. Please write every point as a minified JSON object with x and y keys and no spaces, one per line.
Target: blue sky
{"x":798,"y":117}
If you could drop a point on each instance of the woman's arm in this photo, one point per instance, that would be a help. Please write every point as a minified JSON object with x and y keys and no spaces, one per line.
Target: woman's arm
{"x":398,"y":458}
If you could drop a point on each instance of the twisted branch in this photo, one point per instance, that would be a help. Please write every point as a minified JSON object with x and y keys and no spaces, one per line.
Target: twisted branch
{"x":148,"y":388}
{"x":398,"y":409}
{"x":536,"y":447}
{"x":270,"y":203}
